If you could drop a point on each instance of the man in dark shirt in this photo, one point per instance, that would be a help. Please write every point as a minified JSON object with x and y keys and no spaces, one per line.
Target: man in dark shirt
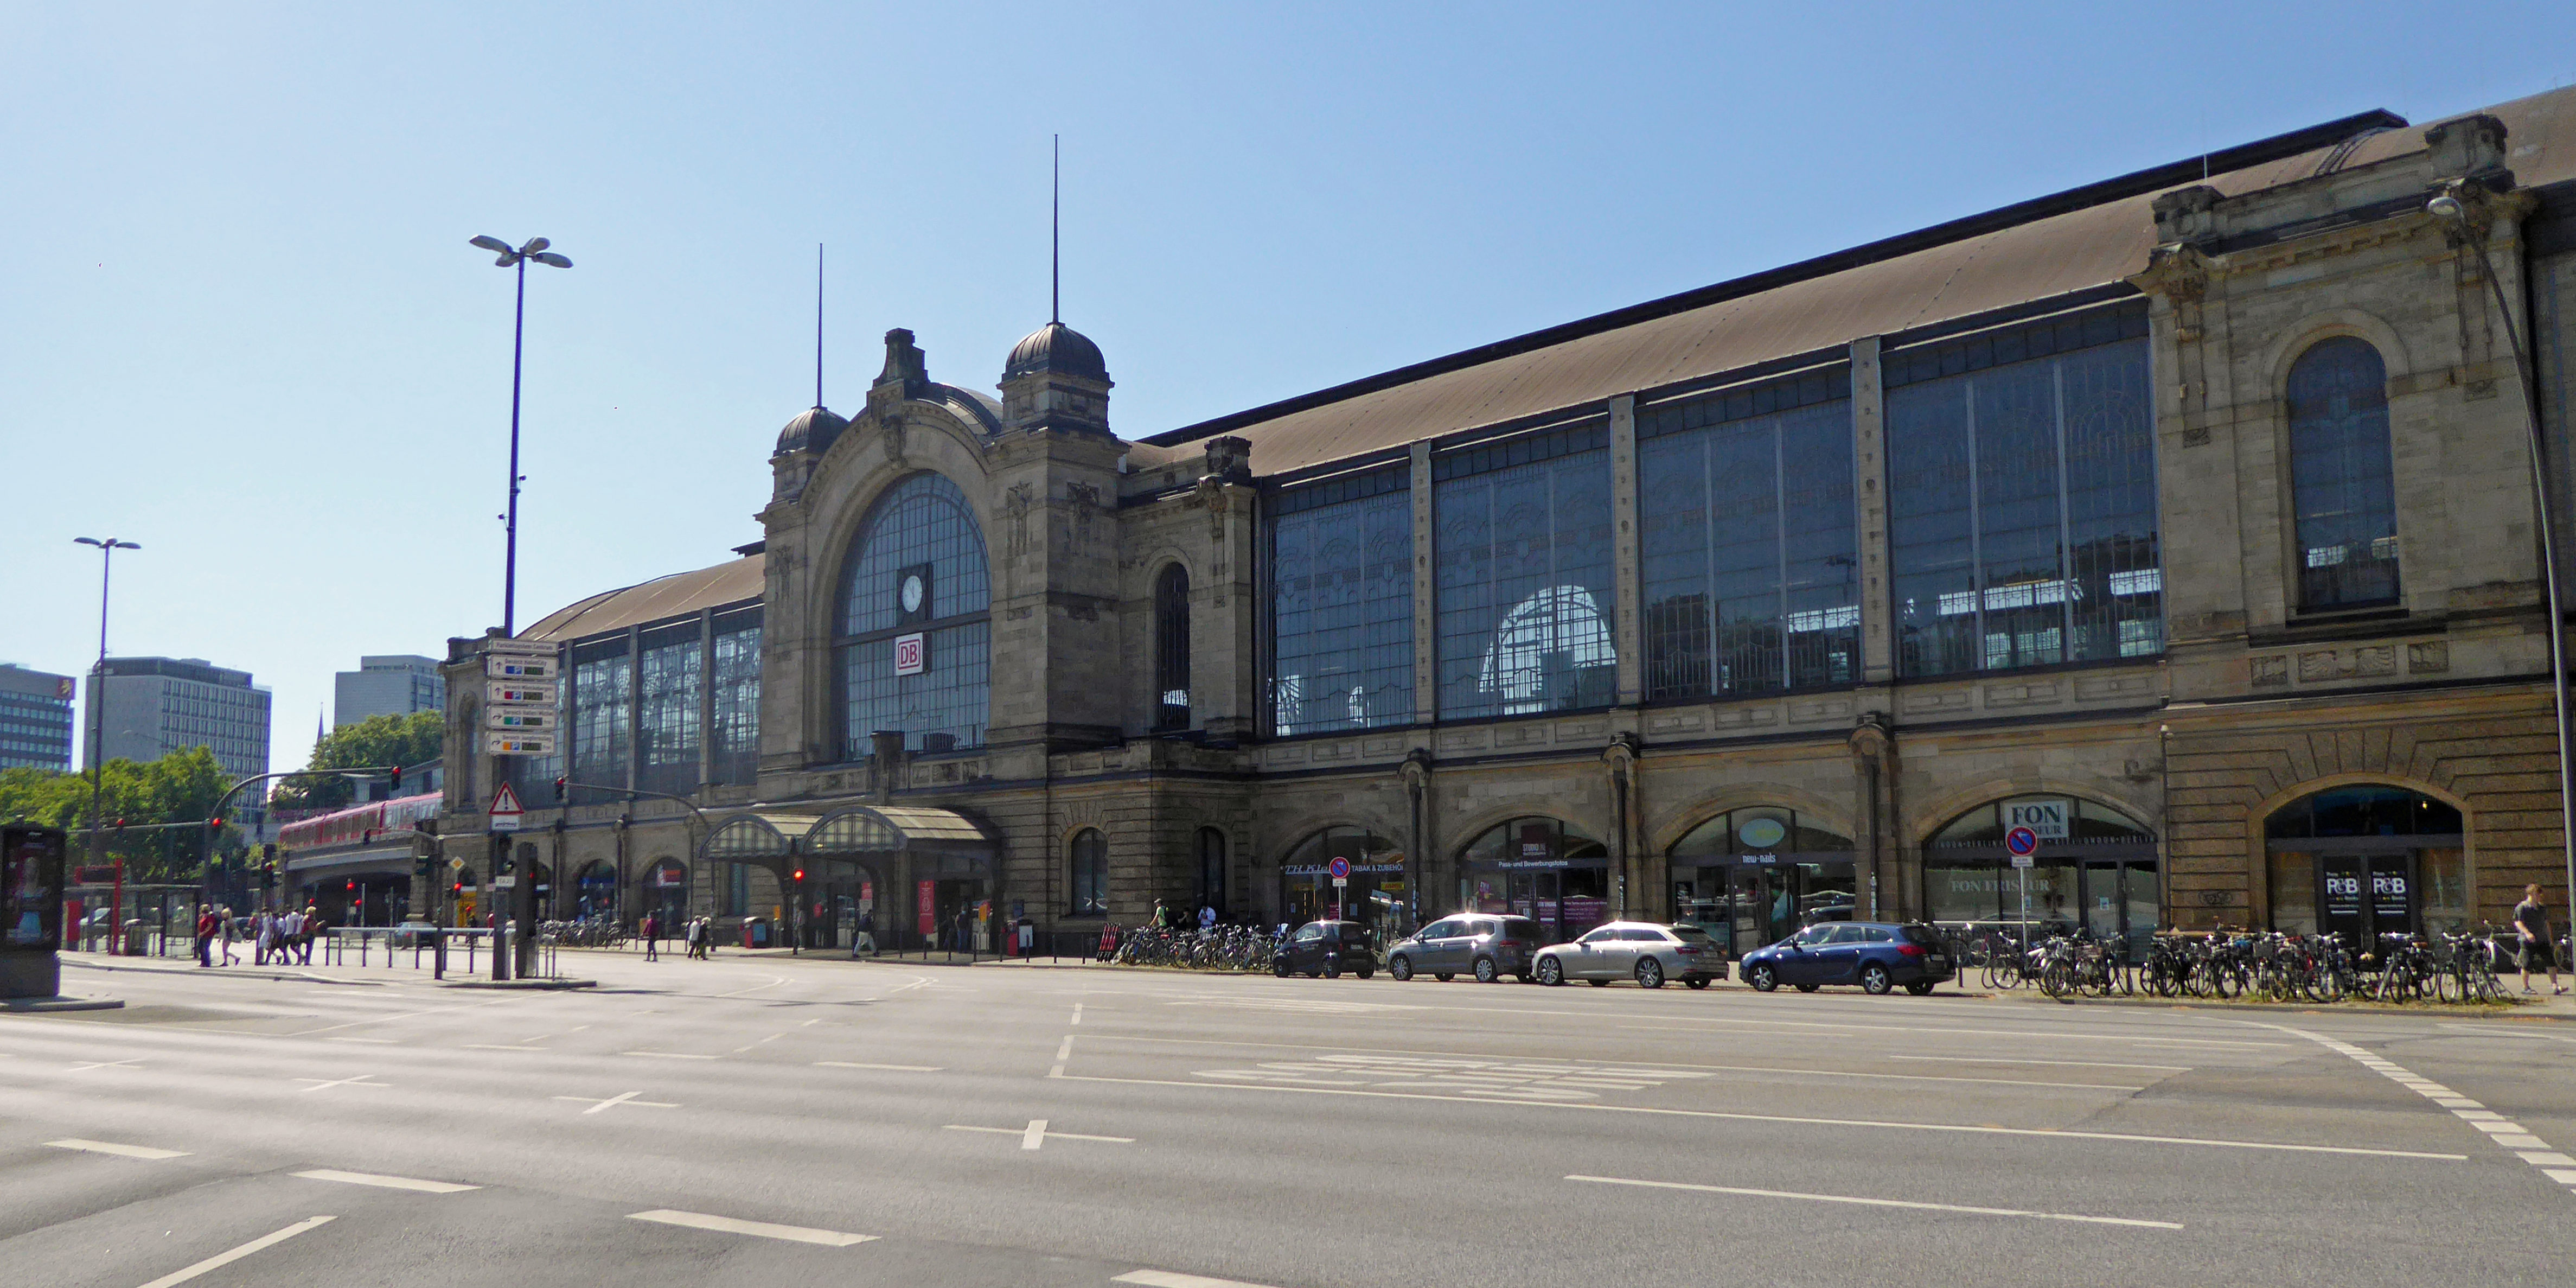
{"x":2531,"y":924}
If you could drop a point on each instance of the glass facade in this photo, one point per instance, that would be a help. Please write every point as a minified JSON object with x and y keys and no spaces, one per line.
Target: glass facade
{"x":670,"y":697}
{"x":734,"y":730}
{"x":2022,"y":498}
{"x":915,"y":639}
{"x":1341,"y":604}
{"x":1748,"y":562}
{"x":603,"y":679}
{"x":1522,"y":575}
{"x":2342,"y":480}
{"x":1172,"y":648}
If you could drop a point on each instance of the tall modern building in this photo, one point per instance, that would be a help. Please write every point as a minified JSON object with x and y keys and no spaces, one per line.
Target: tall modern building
{"x":35,"y":719}
{"x":150,"y":706}
{"x":394,"y":685}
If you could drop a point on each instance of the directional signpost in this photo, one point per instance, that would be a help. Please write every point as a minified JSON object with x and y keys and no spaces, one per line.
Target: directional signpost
{"x":2022,"y":843}
{"x":522,"y":698}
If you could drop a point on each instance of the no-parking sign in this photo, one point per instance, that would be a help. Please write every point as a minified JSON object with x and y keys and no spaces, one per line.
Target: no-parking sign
{"x":2023,"y":843}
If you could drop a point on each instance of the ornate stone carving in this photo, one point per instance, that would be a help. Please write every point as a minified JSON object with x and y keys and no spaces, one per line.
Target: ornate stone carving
{"x":2271,"y":672}
{"x":894,"y":435}
{"x":2375,"y":660}
{"x":2428,"y":657}
{"x":1015,"y":509}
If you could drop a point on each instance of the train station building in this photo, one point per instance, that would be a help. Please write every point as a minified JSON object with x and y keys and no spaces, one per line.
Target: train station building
{"x":2185,"y":519}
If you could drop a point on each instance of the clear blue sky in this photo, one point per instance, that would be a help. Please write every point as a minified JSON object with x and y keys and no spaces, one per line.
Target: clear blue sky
{"x":239,"y":322}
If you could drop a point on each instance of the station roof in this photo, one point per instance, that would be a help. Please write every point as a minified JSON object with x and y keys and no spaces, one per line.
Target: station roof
{"x":676,"y":595}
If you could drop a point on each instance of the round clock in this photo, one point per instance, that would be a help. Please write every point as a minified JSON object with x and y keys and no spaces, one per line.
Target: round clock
{"x":911,"y":593}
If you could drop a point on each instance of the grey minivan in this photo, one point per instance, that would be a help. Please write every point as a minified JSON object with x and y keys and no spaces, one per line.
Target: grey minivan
{"x":1484,"y":945}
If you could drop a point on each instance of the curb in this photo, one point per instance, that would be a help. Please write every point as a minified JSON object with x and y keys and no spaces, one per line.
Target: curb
{"x":50,"y":1005}
{"x":520,"y":985}
{"x":2207,"y":1006}
{"x":231,"y":972}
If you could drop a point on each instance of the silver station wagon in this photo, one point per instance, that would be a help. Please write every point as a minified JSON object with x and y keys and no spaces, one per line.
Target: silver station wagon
{"x":1644,"y":951}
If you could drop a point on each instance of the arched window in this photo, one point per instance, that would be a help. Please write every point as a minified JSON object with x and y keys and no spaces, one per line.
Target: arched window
{"x":915,"y":637}
{"x":1172,"y":648}
{"x":1090,"y":874}
{"x":1754,"y":876}
{"x":1541,"y":868}
{"x":2092,"y":868}
{"x":2367,"y":860}
{"x":1212,"y":869}
{"x":595,"y":891}
{"x":2342,"y":482}
{"x":666,"y":893}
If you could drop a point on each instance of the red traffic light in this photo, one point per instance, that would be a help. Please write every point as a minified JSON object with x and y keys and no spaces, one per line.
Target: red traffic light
{"x":396,"y":784}
{"x":559,"y":789}
{"x":120,"y":825}
{"x":800,"y":874}
{"x":215,"y":824}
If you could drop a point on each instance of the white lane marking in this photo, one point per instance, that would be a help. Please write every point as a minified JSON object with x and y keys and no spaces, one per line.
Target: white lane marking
{"x":107,"y":1064}
{"x":387,"y":1182}
{"x":1914,"y":1077}
{"x":2044,"y":1132}
{"x":1977,"y":1033}
{"x":111,"y":1147}
{"x":1168,"y":1279}
{"x":774,"y":981}
{"x":403,"y":1015}
{"x":324,"y":1084}
{"x":1035,"y":1135}
{"x":1077,"y":1012}
{"x":368,"y":1041}
{"x":893,"y":1068}
{"x":771,"y":1038}
{"x":1022,"y":1132}
{"x":1893,"y":1203}
{"x":222,"y":1259}
{"x":669,"y":1055}
{"x":2500,"y":1129}
{"x":1065,"y":1052}
{"x":2069,"y":1064}
{"x":758,"y":1229}
{"x":621,"y":1098}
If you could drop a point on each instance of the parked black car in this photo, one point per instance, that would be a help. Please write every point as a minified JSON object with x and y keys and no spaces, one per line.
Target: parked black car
{"x":1878,"y":956}
{"x":1487,"y":947}
{"x":1325,"y":949}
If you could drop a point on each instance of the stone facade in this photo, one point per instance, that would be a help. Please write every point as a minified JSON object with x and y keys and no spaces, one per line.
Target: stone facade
{"x":2249,"y":706}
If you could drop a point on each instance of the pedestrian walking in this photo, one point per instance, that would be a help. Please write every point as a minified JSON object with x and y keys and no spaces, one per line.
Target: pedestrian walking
{"x":652,"y":938}
{"x":293,"y":935}
{"x":205,"y":935}
{"x":2531,"y":923}
{"x":225,"y":917}
{"x":313,"y":928}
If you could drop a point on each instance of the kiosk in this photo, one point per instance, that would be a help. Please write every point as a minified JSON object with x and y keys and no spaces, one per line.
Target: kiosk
{"x":31,"y":911}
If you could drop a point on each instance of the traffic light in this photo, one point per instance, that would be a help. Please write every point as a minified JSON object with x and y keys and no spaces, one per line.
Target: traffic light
{"x":268,"y":851}
{"x":268,"y":876}
{"x":395,"y":784}
{"x":559,"y":789}
{"x":800,"y":875}
{"x":214,"y":825}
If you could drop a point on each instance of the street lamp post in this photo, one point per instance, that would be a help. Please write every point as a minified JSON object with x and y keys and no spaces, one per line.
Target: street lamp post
{"x":97,"y":737}
{"x":2449,"y":208}
{"x":517,"y":259}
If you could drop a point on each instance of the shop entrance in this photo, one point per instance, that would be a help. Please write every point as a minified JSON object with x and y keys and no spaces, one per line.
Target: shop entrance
{"x":2367,"y":862}
{"x":1542,"y":869}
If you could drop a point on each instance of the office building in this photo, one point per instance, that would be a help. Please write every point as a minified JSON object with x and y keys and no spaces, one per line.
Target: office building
{"x":35,"y":719}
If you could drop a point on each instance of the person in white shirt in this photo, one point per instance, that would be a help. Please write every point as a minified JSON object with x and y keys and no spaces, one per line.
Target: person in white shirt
{"x":1207,"y":917}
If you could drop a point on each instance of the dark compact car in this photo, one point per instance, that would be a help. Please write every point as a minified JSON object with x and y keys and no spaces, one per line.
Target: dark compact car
{"x":1875,"y":955}
{"x":1325,"y":949}
{"x":1483,"y":945}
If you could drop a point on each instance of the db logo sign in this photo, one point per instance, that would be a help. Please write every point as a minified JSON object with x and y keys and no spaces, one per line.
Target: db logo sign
{"x":908,"y":653}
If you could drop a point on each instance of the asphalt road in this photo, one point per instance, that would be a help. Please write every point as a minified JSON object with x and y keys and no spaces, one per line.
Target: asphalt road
{"x":768,"y":1120}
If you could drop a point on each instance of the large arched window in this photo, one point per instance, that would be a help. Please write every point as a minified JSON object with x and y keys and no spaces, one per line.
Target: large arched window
{"x":2368,"y":860}
{"x":1089,"y":874}
{"x":2092,"y":868}
{"x":1540,"y":868}
{"x":1172,"y":648}
{"x":2342,"y":482}
{"x":915,"y":637}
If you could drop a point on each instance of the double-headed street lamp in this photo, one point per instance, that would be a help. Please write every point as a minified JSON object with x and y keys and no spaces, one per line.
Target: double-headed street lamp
{"x":516,"y":259}
{"x":2451,"y":209}
{"x":97,"y":736}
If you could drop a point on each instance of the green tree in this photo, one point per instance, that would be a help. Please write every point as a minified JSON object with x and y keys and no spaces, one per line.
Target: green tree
{"x":181,"y":787}
{"x":408,"y":741}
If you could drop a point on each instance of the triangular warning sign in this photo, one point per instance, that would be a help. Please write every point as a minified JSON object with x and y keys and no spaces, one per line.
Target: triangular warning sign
{"x":505,"y":801}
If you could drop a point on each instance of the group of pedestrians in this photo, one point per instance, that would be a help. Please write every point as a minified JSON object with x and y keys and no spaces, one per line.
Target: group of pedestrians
{"x":285,"y":938}
{"x":697,"y":937}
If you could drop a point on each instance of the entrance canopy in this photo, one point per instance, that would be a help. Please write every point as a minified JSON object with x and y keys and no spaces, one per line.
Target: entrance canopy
{"x":857,"y":829}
